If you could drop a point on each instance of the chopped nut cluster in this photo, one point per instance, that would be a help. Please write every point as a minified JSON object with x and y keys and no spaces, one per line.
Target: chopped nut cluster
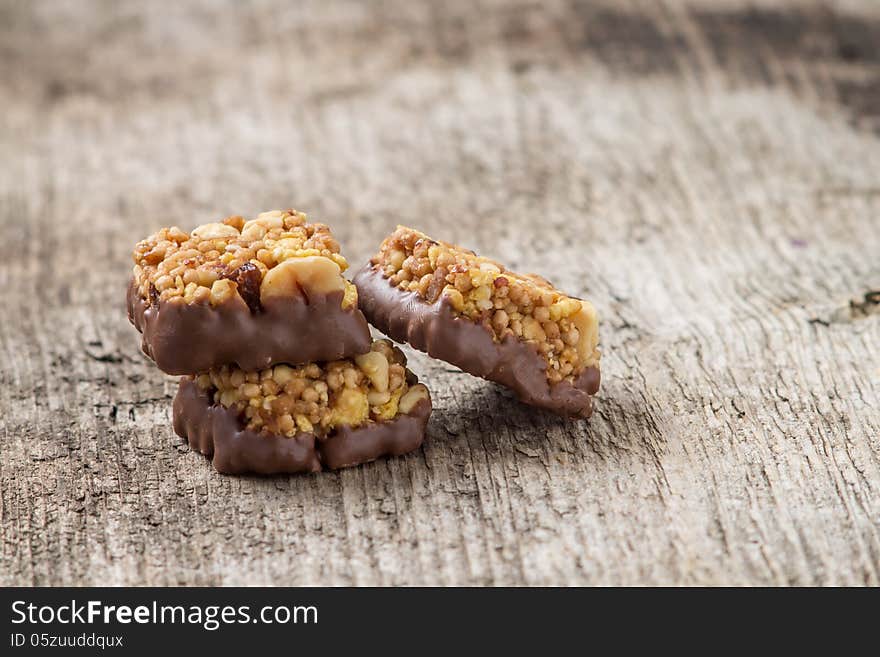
{"x":286,"y":399}
{"x":276,"y":254}
{"x":562,"y":328}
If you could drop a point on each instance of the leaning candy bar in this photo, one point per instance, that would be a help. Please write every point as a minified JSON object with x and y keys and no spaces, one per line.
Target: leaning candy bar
{"x":245,"y":293}
{"x":302,"y":418}
{"x":514,"y":329}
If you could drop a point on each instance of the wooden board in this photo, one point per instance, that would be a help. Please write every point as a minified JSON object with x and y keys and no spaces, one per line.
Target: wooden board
{"x":705,"y":172}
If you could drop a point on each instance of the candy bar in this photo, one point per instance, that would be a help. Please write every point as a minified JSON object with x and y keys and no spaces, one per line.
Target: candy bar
{"x":287,"y":419}
{"x":244,"y":293}
{"x":514,"y":329}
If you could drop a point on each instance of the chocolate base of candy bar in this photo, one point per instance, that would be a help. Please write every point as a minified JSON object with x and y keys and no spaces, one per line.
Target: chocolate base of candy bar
{"x":187,"y":338}
{"x":217,"y":433}
{"x":433,"y":328}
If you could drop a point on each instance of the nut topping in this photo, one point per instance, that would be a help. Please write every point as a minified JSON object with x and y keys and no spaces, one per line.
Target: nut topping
{"x":309,"y":276}
{"x":563,"y":329}
{"x":184,"y":265}
{"x":375,"y":365}
{"x":413,"y":396}
{"x":214,"y":231}
{"x":317,"y":397}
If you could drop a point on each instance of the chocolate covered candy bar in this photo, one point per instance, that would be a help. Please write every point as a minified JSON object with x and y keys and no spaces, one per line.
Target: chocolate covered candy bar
{"x":245,"y":293}
{"x":304,"y":418}
{"x":514,"y":329}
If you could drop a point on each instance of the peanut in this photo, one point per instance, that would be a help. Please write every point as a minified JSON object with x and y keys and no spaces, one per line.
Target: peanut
{"x":375,"y":366}
{"x":411,"y":397}
{"x":214,"y":231}
{"x":311,"y":276}
{"x":455,"y":297}
{"x":378,"y":398}
{"x":586,"y":323}
{"x":222,"y":291}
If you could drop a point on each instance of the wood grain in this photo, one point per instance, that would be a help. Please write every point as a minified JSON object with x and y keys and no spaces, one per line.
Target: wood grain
{"x":706,"y":172}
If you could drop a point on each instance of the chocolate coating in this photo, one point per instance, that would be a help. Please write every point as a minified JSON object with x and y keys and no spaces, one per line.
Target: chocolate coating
{"x":352,"y":446}
{"x":217,"y":432}
{"x":434,"y":329}
{"x":187,"y":338}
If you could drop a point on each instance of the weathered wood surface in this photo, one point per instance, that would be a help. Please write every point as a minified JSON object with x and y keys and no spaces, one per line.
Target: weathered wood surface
{"x":706,"y":172}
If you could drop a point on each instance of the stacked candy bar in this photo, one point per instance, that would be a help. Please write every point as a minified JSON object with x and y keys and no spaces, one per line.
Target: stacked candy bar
{"x":281,"y":372}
